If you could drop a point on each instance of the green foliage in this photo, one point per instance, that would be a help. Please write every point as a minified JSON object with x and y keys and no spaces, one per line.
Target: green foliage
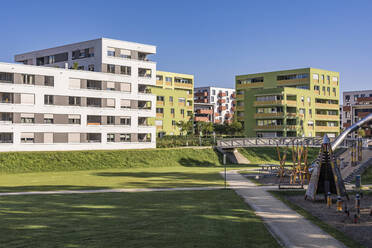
{"x":186,"y":127}
{"x":179,"y":141}
{"x":15,"y":162}
{"x":75,"y":66}
{"x":235,"y":128}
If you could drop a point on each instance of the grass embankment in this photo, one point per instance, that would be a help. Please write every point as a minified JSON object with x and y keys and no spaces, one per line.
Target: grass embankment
{"x":367,"y":176}
{"x":263,"y":155}
{"x":281,"y":195}
{"x":153,"y":219}
{"x":20,"y":162}
{"x":83,"y":170}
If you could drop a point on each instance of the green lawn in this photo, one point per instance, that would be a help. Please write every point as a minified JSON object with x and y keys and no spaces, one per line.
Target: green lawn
{"x":153,"y":219}
{"x":367,"y":176}
{"x":167,"y":177}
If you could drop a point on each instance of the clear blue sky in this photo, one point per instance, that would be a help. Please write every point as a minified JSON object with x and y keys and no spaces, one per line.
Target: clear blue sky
{"x":214,"y":40}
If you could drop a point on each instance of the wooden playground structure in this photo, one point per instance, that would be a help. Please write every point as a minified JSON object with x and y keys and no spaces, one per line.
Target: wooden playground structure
{"x":296,"y":174}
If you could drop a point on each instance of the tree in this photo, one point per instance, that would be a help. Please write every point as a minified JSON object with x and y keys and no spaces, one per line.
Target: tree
{"x":185,"y":126}
{"x":236,"y":127}
{"x":75,"y":66}
{"x":206,"y":127}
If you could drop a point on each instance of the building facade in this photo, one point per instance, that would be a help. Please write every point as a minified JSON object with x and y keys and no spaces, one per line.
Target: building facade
{"x":223,"y":100}
{"x":105,"y":100}
{"x":204,"y":112}
{"x":174,"y":101}
{"x":356,"y":106}
{"x":291,"y":103}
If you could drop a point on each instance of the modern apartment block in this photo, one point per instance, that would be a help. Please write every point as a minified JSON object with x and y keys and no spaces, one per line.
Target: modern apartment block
{"x":290,"y":103}
{"x":48,"y":108}
{"x":174,"y":101}
{"x":223,"y":100}
{"x":204,"y":112}
{"x":357,"y":105}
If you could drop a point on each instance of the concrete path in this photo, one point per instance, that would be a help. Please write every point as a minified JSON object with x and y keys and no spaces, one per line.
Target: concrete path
{"x":64,"y":192}
{"x":289,"y":227}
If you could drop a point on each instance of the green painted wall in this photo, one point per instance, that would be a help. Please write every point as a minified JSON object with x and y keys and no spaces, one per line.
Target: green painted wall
{"x":305,"y":99}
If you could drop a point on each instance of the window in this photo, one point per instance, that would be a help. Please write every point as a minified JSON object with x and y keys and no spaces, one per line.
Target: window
{"x":159,"y":123}
{"x":94,"y":85}
{"x":74,"y":83}
{"x":182,"y":112}
{"x":174,"y":123}
{"x":48,"y":99}
{"x":26,"y":98}
{"x":323,"y":78}
{"x":159,"y":78}
{"x":74,"y":100}
{"x":328,"y":79}
{"x":144,"y":72}
{"x":60,"y":57}
{"x":110,"y":102}
{"x":160,"y":98}
{"x":213,"y":92}
{"x":27,"y":118}
{"x":110,"y":86}
{"x":48,"y":119}
{"x":110,"y":137}
{"x":126,"y":70}
{"x":125,"y":137}
{"x":168,"y":79}
{"x":73,"y":138}
{"x":125,"y":87}
{"x":172,"y":111}
{"x":125,"y":121}
{"x":28,"y":79}
{"x":171,"y":99}
{"x":302,"y":99}
{"x":111,"y":52}
{"x":110,"y":120}
{"x":94,"y":102}
{"x":316,"y":76}
{"x":74,"y":119}
{"x":49,"y":81}
{"x":6,"y":77}
{"x":308,"y":99}
{"x":125,"y":54}
{"x":292,"y":76}
{"x":110,"y":68}
{"x":124,"y":103}
{"x":182,"y":100}
{"x":27,"y":137}
{"x":310,"y":112}
{"x":159,"y":110}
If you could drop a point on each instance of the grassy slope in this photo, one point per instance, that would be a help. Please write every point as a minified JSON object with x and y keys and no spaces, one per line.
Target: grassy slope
{"x":367,"y":176}
{"x":18,"y":162}
{"x":262,"y":155}
{"x":157,"y":219}
{"x":327,"y":228}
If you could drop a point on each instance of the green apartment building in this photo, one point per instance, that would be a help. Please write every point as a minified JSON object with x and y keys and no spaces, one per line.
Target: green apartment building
{"x":174,"y":101}
{"x":291,"y":103}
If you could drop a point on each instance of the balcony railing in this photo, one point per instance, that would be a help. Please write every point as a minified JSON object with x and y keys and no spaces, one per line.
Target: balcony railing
{"x":268,"y":103}
{"x":270,"y":127}
{"x":269,"y":115}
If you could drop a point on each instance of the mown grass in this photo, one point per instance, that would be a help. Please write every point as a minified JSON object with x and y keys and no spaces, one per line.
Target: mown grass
{"x":263,"y":155}
{"x":161,"y":177}
{"x":349,"y":242}
{"x":20,"y":162}
{"x":152,"y":219}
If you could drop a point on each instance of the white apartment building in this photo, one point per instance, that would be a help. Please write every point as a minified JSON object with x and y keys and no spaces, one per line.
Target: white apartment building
{"x":47,"y":108}
{"x":223,"y":100}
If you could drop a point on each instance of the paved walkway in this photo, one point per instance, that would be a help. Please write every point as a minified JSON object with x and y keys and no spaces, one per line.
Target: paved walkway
{"x":292,"y":229}
{"x":64,"y":192}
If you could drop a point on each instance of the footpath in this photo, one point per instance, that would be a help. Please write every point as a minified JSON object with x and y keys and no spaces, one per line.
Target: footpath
{"x":287,"y":226}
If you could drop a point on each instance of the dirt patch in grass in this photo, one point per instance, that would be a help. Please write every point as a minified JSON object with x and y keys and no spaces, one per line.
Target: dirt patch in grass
{"x":360,"y":232}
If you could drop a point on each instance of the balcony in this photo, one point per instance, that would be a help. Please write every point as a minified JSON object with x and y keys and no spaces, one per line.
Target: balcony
{"x":346,"y":125}
{"x":221,"y":108}
{"x":233,"y":109}
{"x":204,"y":111}
{"x":143,"y":89}
{"x":143,"y":121}
{"x":146,"y":105}
{"x":363,"y":114}
{"x":144,"y":137}
{"x":327,"y":117}
{"x":233,"y":95}
{"x":268,"y":103}
{"x":327,"y":129}
{"x":159,"y":83}
{"x":159,"y":103}
{"x":6,"y":97}
{"x":228,"y":115}
{"x":270,"y":127}
{"x":364,"y":100}
{"x":222,"y":94}
{"x":201,"y":100}
{"x":240,"y":108}
{"x":159,"y":115}
{"x":221,"y":101}
{"x":291,"y":127}
{"x":326,"y":106}
{"x":198,"y":94}
{"x":240,"y":118}
{"x":201,"y":118}
{"x":346,"y":108}
{"x":291,"y":115}
{"x":269,"y":115}
{"x":217,"y":114}
{"x":291,"y":103}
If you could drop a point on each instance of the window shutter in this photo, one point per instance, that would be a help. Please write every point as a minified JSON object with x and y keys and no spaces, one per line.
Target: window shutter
{"x":74,"y":83}
{"x":27,"y":115}
{"x":74,"y":138}
{"x":125,"y":103}
{"x":48,"y":137}
{"x":110,"y":102}
{"x":27,"y":99}
{"x":27,"y":135}
{"x":125,"y":87}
